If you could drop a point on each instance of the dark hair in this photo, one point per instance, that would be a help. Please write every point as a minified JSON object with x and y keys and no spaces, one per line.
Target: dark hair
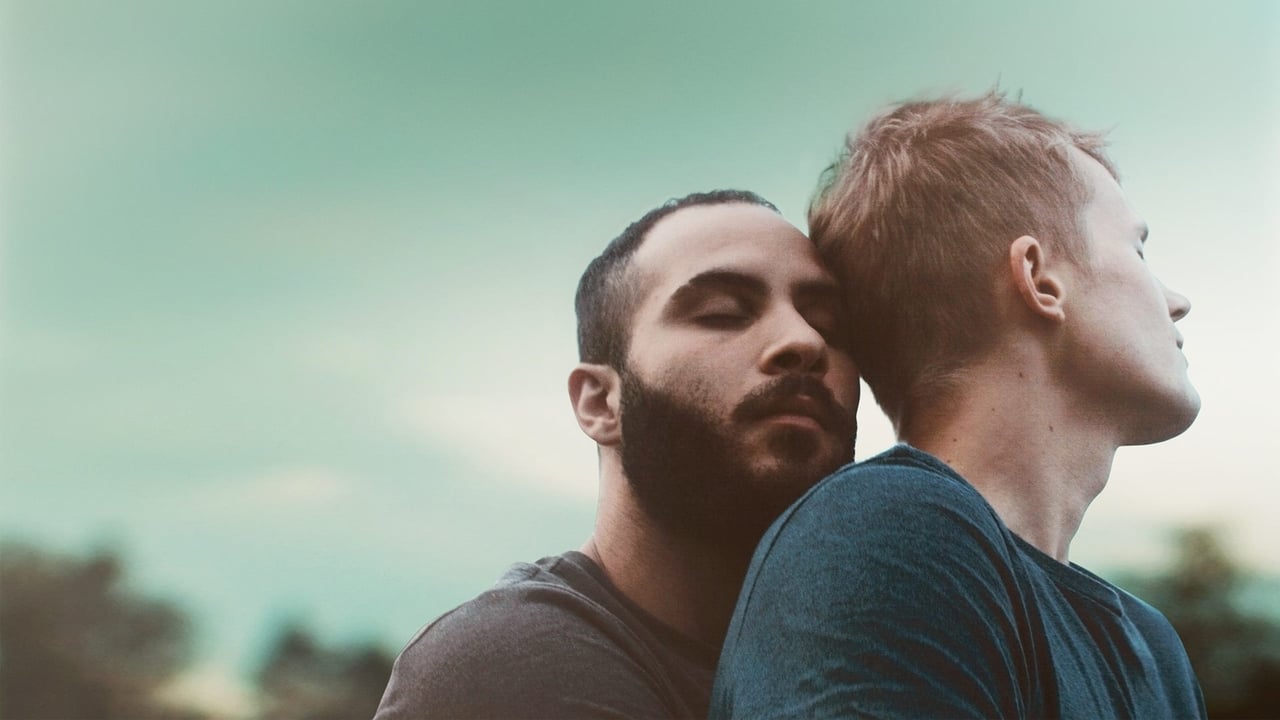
{"x":607,"y":291}
{"x":916,"y":213}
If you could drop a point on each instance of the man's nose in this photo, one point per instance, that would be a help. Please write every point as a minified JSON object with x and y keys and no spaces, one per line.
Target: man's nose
{"x":799,"y":347}
{"x":1179,"y":305}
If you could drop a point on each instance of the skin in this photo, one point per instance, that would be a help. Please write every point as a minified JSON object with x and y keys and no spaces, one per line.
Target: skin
{"x":732,"y":297}
{"x":1127,"y":318}
{"x":1088,"y":360}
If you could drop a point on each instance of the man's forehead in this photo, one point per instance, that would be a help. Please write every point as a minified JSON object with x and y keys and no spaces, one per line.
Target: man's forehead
{"x":1106,"y":195}
{"x":742,"y":235}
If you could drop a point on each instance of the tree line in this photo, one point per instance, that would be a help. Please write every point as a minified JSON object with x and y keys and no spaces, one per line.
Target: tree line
{"x":77,"y":641}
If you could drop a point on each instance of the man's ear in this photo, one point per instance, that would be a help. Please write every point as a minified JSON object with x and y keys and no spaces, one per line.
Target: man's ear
{"x":596,"y":394}
{"x":1040,"y":287}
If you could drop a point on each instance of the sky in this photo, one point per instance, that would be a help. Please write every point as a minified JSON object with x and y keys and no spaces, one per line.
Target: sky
{"x":286,"y":288}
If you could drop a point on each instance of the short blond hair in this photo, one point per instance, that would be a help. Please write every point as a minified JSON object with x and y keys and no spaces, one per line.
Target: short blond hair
{"x":916,"y":215}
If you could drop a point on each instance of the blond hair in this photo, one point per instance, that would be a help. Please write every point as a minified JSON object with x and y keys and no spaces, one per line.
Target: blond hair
{"x":917,"y":214}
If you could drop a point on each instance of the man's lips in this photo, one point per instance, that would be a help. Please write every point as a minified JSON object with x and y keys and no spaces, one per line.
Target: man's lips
{"x":804,"y":406}
{"x":795,"y":395}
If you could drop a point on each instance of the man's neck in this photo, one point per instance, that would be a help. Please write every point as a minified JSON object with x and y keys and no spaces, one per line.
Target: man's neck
{"x":686,"y":584}
{"x":1032,"y":453}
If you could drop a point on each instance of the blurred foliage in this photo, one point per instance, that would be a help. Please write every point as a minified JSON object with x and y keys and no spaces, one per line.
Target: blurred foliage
{"x":75,"y":642}
{"x":302,"y":679}
{"x":1235,"y":652}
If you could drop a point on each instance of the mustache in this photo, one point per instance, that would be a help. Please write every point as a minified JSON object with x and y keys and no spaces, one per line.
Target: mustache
{"x":777,"y":395}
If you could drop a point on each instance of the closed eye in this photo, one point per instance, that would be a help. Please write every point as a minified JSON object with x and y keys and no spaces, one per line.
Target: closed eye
{"x":722,"y":321}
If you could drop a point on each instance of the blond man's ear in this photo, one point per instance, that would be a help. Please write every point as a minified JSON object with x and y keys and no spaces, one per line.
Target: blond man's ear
{"x":596,"y":394}
{"x":1039,"y":286}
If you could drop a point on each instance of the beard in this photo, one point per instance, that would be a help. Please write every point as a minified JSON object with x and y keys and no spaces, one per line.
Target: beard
{"x":692,"y":474}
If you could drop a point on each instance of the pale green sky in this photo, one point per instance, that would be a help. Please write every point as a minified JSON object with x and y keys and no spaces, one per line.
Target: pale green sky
{"x":286,"y":287}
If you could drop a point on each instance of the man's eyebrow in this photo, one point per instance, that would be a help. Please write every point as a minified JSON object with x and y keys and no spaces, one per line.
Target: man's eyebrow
{"x":722,"y":280}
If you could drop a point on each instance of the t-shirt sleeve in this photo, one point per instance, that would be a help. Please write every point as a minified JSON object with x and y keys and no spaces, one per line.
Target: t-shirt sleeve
{"x":536,"y":652}
{"x":886,"y":593}
{"x":1169,"y":673}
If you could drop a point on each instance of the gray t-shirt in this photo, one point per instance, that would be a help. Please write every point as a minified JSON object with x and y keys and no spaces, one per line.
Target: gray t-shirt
{"x":553,"y":639}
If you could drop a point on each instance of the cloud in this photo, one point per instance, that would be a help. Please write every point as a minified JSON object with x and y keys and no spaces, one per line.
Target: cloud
{"x":531,"y":439}
{"x":286,"y":488}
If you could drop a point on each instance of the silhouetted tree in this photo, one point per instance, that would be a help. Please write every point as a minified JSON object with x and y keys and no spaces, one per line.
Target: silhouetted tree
{"x":76,"y":642}
{"x":1236,"y":653}
{"x":303,"y":680}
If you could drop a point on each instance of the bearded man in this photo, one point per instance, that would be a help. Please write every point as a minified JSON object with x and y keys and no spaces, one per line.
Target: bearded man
{"x":714,"y":382}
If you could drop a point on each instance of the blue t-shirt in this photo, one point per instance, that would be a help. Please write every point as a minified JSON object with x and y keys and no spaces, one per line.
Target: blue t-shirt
{"x":892,"y":589}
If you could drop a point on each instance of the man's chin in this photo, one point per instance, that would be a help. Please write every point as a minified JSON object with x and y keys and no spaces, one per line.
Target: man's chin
{"x":802,"y":451}
{"x":1172,"y":420}
{"x":1181,"y":421}
{"x":791,"y":478}
{"x":792,"y":444}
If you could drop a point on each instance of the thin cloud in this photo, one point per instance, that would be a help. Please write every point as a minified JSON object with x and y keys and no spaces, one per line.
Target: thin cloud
{"x":289,"y":489}
{"x":530,"y":439}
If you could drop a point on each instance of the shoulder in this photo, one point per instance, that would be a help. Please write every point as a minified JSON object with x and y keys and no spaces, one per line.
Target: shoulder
{"x":895,"y":576}
{"x":506,"y":614}
{"x":901,"y":493}
{"x":532,"y":646}
{"x":880,"y":551}
{"x":1155,"y":629}
{"x":899,"y":475}
{"x":1162,"y":652}
{"x":902,"y":516}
